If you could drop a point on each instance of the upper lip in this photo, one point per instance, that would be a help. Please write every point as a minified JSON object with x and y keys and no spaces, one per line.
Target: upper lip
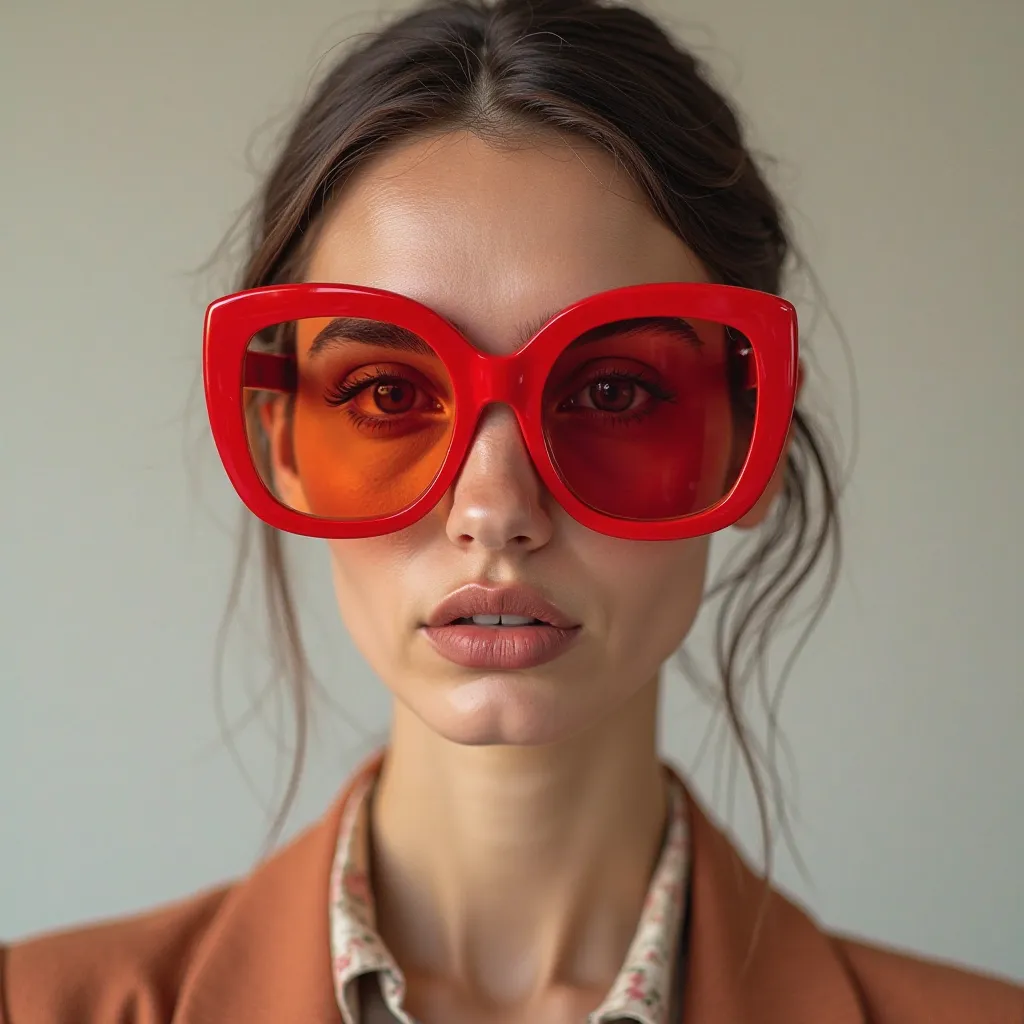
{"x":474,"y":599}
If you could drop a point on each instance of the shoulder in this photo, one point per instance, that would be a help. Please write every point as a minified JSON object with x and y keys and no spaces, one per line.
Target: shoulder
{"x":755,"y":954}
{"x":254,"y":950}
{"x":896,"y":986}
{"x":129,"y":968}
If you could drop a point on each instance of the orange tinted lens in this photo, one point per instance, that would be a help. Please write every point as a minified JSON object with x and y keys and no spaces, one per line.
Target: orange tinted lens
{"x":366,"y":424}
{"x":648,"y":418}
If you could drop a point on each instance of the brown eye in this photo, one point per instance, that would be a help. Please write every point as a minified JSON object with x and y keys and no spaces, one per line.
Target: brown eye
{"x":395,"y":396}
{"x":384,"y":393}
{"x":612,"y":395}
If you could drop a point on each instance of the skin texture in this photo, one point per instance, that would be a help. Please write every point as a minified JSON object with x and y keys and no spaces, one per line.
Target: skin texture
{"x":520,"y":813}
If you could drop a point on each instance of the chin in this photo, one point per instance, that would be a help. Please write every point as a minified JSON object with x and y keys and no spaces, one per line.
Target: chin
{"x":502,"y":711}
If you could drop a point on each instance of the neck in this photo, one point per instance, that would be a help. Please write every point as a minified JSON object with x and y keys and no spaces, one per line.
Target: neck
{"x":514,"y":869}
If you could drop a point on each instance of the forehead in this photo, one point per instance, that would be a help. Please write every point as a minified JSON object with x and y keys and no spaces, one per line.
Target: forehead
{"x":496,"y":238}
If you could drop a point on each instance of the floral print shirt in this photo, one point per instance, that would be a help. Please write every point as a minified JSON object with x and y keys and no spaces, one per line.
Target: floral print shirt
{"x":644,"y":990}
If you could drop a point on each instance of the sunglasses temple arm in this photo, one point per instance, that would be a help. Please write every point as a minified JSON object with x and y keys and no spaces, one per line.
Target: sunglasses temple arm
{"x":750,"y":365}
{"x":268,"y":371}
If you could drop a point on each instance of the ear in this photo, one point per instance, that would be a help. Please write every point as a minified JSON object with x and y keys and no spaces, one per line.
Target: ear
{"x":277,"y":422}
{"x":756,"y":516}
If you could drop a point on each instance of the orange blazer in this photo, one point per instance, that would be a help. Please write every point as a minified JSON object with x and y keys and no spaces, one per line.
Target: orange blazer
{"x":258,"y":952}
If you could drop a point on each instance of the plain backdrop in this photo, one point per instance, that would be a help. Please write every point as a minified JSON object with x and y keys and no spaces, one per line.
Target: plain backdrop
{"x":130,"y":135}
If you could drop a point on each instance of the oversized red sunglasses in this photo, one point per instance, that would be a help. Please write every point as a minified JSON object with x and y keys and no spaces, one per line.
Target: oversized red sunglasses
{"x":652,"y":412}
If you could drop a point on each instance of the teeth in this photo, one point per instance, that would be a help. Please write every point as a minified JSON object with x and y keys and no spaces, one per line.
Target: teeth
{"x":502,"y":620}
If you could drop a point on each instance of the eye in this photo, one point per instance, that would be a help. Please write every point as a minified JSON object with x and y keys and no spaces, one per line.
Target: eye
{"x":379,"y":392}
{"x":617,"y":392}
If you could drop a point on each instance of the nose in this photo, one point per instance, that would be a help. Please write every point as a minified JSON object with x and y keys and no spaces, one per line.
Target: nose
{"x":498,"y":501}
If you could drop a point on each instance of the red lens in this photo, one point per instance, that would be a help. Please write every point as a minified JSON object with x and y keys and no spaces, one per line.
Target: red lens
{"x":367,"y":427}
{"x":647,"y":419}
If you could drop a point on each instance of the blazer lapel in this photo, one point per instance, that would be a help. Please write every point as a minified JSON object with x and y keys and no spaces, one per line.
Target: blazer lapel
{"x":754,"y":957}
{"x":267,"y":957}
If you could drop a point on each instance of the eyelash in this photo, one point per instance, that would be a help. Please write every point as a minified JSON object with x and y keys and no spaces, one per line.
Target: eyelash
{"x":344,"y":391}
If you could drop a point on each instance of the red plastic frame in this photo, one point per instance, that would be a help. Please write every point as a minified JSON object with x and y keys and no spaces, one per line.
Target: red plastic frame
{"x":479,"y":379}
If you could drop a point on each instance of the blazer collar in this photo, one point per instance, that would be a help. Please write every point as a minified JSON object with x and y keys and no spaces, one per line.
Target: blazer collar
{"x":753,"y":957}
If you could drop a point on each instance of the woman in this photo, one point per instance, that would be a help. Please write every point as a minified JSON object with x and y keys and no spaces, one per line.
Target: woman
{"x":509,"y":339}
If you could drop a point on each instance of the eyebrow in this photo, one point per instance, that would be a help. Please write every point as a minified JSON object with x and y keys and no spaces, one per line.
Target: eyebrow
{"x":343,"y":329}
{"x":672,"y":325}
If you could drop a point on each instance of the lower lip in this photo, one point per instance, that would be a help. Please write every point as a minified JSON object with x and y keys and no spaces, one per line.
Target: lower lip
{"x":500,"y":647}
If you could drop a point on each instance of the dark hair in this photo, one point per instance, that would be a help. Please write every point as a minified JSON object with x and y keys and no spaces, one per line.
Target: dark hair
{"x":606,"y":73}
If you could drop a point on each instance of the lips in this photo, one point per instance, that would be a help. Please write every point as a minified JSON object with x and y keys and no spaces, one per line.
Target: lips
{"x":517,"y":600}
{"x":456,"y":637}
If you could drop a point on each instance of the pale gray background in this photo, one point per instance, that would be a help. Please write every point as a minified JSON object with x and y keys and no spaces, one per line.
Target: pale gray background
{"x":125,"y":127}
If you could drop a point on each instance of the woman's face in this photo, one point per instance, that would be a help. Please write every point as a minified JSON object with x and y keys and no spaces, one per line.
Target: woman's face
{"x":496,"y":240}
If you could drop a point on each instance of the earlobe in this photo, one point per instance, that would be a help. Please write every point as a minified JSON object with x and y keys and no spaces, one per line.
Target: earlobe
{"x":282,"y":470}
{"x":757,"y":515}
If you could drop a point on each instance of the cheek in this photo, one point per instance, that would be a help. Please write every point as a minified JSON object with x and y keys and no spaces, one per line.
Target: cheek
{"x":372,"y":581}
{"x":367,"y":581}
{"x":657,"y":588}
